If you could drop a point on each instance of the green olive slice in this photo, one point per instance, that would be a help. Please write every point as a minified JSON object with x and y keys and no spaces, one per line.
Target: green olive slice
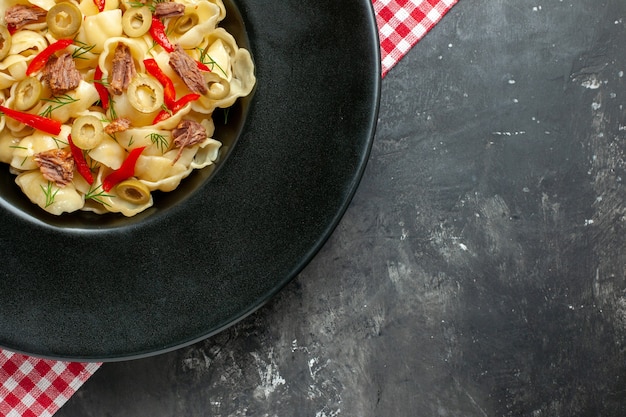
{"x":64,"y":20}
{"x":27,"y":93}
{"x":87,"y":132}
{"x":145,"y":94}
{"x":5,"y":42}
{"x":136,"y":21}
{"x":133,"y":191}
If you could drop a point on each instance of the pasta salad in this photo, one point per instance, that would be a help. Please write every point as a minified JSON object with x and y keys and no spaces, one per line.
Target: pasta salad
{"x":104,"y":102}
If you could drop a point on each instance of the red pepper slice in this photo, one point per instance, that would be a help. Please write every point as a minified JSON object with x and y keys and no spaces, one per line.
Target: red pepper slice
{"x":40,"y":60}
{"x":100,"y":88}
{"x":157,"y":31}
{"x":169,"y":91}
{"x":203,"y":67}
{"x":176,"y":106}
{"x":124,"y":172}
{"x":44,"y":124}
{"x":79,"y":158}
{"x":12,"y":29}
{"x":183,"y":101}
{"x":163,"y":115}
{"x":99,"y":4}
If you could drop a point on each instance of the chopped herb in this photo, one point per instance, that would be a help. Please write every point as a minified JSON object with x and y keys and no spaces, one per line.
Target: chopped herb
{"x":112,"y":109}
{"x":60,"y":142}
{"x":96,"y":194}
{"x":93,"y":164}
{"x":50,"y":193}
{"x":151,"y":4}
{"x":103,"y":82}
{"x":23,"y":148}
{"x":206,"y":59}
{"x":81,"y":50}
{"x":56,"y":103}
{"x":159,"y":140}
{"x":164,"y":108}
{"x":137,"y":4}
{"x":131,"y":141}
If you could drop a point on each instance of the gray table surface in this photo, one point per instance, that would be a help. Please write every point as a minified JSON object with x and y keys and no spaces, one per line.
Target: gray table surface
{"x":479,"y":270}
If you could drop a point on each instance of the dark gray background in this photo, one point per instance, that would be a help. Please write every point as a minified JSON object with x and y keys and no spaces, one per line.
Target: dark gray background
{"x":479,"y":270}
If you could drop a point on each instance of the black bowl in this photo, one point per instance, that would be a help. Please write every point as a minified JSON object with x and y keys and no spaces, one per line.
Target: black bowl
{"x":102,"y":288}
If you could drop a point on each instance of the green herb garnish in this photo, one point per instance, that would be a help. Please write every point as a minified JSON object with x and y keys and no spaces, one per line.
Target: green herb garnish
{"x":50,"y":193}
{"x":96,"y":194}
{"x":159,"y":140}
{"x":207,"y":60}
{"x":56,"y":103}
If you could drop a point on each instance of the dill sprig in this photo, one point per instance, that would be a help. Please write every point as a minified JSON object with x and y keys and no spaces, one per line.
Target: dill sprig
{"x":136,"y":4}
{"x":207,"y":60}
{"x":103,"y":81}
{"x":56,"y":103}
{"x":164,"y":108}
{"x":81,"y":50}
{"x":150,"y":4}
{"x":60,"y":143}
{"x":112,"y":108}
{"x":50,"y":193}
{"x":23,"y":148}
{"x":159,"y":140}
{"x":93,"y":164}
{"x":97,"y":194}
{"x":131,"y":141}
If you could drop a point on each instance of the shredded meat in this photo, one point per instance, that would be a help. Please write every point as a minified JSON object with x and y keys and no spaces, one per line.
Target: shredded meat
{"x":61,"y":74}
{"x":56,"y":165}
{"x":187,"y":70}
{"x":20,"y":15}
{"x":123,"y":69}
{"x":117,"y":125}
{"x":169,"y":9}
{"x":186,"y":134}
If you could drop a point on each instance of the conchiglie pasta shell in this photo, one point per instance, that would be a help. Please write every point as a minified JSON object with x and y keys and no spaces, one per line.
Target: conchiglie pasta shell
{"x":7,"y":144}
{"x":207,"y":153}
{"x":138,"y":50}
{"x":158,"y":173}
{"x":221,"y":48}
{"x":30,"y":146}
{"x":88,"y":7}
{"x":27,"y":43}
{"x":218,"y":3}
{"x":85,"y":95}
{"x":240,"y":85}
{"x":6,"y":80}
{"x":101,"y":27}
{"x":142,"y":136}
{"x":44,"y":4}
{"x":108,"y":153}
{"x":208,"y":17}
{"x":66,"y":199}
{"x":152,"y":168}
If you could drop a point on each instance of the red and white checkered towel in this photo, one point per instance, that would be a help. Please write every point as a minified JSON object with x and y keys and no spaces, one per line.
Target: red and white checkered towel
{"x":32,"y":387}
{"x":402,"y":23}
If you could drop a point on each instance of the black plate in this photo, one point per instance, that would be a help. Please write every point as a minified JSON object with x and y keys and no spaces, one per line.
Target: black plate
{"x":86,"y":287}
